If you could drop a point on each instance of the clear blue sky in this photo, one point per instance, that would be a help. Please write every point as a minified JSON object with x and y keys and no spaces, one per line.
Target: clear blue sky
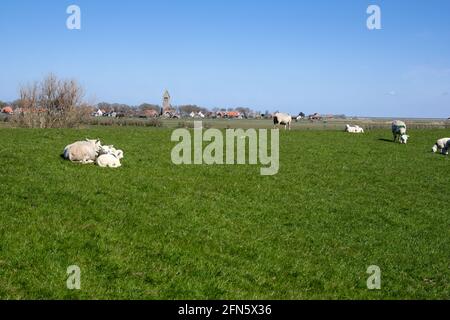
{"x":278,"y":55}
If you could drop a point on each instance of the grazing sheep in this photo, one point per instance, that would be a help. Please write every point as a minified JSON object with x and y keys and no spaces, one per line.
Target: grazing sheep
{"x":399,"y":131}
{"x":442,"y":145}
{"x":354,"y":129}
{"x":283,"y":119}
{"x":108,"y":161}
{"x":82,"y":151}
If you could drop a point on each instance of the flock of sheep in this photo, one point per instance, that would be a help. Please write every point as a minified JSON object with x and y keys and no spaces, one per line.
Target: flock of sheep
{"x":398,"y":130}
{"x":92,"y":151}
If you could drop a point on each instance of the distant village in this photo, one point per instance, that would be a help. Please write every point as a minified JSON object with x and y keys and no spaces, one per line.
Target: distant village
{"x":168,"y":111}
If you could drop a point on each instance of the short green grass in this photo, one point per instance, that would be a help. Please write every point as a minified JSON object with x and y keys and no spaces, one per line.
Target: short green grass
{"x":153,"y":230}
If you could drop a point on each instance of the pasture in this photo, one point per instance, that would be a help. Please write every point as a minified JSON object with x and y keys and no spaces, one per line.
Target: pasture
{"x":153,"y":230}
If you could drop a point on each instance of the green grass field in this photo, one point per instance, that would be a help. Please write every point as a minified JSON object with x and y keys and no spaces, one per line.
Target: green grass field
{"x":153,"y":230}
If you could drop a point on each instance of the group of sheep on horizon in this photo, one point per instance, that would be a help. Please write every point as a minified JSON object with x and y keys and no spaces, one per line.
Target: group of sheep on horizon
{"x":398,"y":131}
{"x":92,"y":151}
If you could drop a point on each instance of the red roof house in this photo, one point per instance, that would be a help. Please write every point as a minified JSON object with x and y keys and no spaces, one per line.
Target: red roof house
{"x":7,"y":110}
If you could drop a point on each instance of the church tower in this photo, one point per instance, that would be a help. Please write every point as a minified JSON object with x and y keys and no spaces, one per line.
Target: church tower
{"x":166,"y":102}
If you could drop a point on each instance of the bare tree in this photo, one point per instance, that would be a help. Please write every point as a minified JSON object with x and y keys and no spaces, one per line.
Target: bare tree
{"x":52,"y":103}
{"x":149,"y":106}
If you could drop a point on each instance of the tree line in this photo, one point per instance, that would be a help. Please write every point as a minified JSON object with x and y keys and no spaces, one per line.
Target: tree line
{"x":54,"y":102}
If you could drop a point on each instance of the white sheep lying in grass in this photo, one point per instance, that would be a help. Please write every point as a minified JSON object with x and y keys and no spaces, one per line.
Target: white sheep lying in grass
{"x":353,"y":129}
{"x":442,"y":145}
{"x":82,"y":151}
{"x":109,"y":157}
{"x":108,"y":161}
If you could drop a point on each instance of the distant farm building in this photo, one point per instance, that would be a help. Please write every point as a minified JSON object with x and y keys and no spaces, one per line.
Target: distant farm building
{"x":151,"y":113}
{"x":197,"y":114}
{"x":98,"y":113}
{"x":229,"y":114}
{"x":7,"y":110}
{"x":314,"y":117}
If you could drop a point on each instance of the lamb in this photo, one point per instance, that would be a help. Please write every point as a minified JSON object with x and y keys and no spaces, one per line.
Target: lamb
{"x":404,"y":139}
{"x":109,"y":157}
{"x":349,"y":128}
{"x":111,"y":150}
{"x":442,"y":145}
{"x":354,"y":129}
{"x":108,"y":161}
